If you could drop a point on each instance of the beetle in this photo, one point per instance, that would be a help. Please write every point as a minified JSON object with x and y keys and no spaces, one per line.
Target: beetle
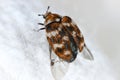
{"x":64,"y":37}
{"x":65,"y":40}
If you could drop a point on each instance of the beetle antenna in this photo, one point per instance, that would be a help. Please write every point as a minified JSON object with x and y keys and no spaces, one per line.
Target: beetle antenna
{"x":48,"y":9}
{"x":40,"y":14}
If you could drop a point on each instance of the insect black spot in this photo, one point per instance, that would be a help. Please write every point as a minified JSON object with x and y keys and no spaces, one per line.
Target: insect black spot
{"x":66,"y":45}
{"x":70,"y":28}
{"x":52,"y":26}
{"x":62,"y":33}
{"x":59,"y":41}
{"x":48,"y":28}
{"x":72,"y":59}
{"x":60,"y":50}
{"x":74,"y":48}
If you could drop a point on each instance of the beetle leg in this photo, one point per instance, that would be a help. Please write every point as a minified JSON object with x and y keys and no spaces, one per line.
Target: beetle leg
{"x":39,"y":29}
{"x":50,"y":51}
{"x":40,"y":23}
{"x":51,"y":60}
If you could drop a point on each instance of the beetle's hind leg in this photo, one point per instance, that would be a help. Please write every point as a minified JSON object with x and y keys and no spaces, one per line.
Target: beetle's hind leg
{"x":51,"y":60}
{"x":53,"y":57}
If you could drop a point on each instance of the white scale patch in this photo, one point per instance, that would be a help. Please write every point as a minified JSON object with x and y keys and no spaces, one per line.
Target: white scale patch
{"x":57,"y":46}
{"x":66,"y":24}
{"x":81,"y":35}
{"x":49,"y":35}
{"x":57,"y":19}
{"x":52,"y":33}
{"x":60,"y":28}
{"x":65,"y":38}
{"x":74,"y":34}
{"x":67,"y":53}
{"x":49,"y":21}
{"x":82,"y":44}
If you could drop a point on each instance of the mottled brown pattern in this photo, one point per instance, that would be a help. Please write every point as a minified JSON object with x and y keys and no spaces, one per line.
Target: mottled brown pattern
{"x":51,"y":17}
{"x":66,"y":19}
{"x":73,"y":27}
{"x":52,"y":26}
{"x":63,"y":31}
{"x":61,"y":52}
{"x":58,"y":39}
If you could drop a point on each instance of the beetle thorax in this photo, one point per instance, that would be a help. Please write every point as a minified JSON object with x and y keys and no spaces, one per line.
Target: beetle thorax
{"x":50,"y":18}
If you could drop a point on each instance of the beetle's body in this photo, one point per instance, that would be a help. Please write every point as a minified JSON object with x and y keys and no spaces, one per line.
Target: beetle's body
{"x":63,"y":35}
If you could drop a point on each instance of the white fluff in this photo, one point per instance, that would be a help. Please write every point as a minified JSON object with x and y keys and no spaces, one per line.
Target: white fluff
{"x":24,"y":53}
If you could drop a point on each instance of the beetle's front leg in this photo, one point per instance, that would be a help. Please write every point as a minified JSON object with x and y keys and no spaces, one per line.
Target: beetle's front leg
{"x":40,"y":28}
{"x":40,"y":23}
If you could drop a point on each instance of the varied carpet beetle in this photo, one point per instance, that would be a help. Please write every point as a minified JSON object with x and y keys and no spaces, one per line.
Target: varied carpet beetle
{"x":64,"y":37}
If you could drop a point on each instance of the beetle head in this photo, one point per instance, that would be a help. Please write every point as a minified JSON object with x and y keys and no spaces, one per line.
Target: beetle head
{"x":50,"y":17}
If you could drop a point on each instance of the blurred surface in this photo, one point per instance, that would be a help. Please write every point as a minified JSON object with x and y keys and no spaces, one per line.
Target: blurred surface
{"x":24,"y":54}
